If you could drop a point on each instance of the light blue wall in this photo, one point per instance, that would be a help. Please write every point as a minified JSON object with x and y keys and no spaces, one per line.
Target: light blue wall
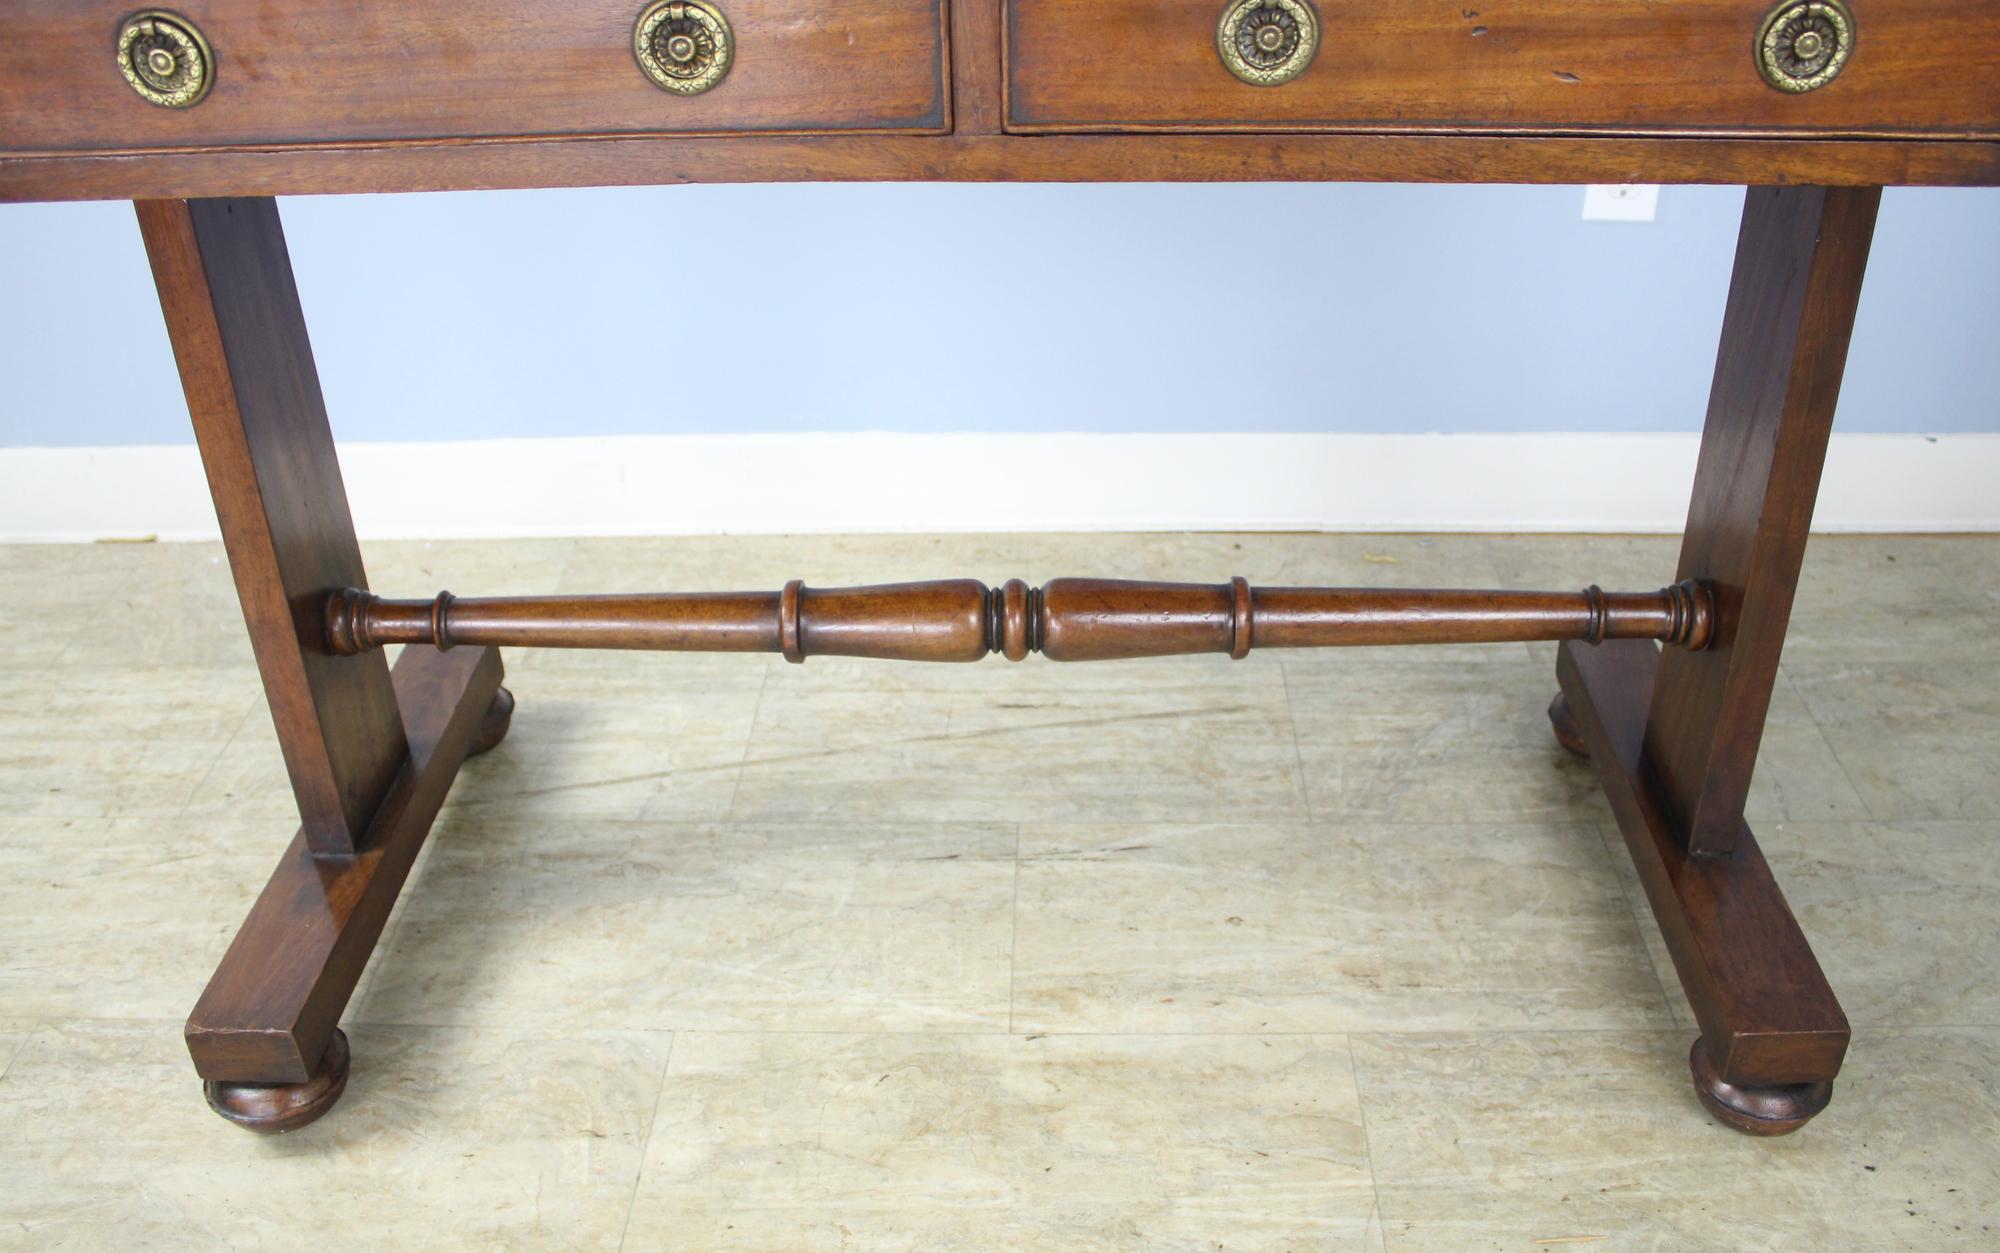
{"x":1037,"y":308}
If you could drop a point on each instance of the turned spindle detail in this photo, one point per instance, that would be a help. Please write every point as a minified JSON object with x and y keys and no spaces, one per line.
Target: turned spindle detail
{"x":1065,"y":620}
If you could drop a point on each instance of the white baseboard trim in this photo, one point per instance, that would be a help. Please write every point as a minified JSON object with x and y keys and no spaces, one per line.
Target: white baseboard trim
{"x":734,"y":484}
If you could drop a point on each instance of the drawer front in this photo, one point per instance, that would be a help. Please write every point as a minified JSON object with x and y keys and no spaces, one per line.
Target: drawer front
{"x":353,"y":71}
{"x":1916,"y":67}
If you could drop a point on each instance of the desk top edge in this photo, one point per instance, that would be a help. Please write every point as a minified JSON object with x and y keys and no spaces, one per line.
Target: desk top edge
{"x":330,"y":169}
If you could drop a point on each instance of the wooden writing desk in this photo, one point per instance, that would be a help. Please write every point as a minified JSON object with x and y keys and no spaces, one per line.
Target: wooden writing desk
{"x":202,"y":115}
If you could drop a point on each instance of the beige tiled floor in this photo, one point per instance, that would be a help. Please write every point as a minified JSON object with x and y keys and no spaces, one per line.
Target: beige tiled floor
{"x":1304,"y":952}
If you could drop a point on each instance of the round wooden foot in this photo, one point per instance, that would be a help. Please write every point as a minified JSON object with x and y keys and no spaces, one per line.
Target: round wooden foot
{"x":499,"y":716}
{"x":1565,"y":727}
{"x":272,"y":1108}
{"x":1773,"y":1111}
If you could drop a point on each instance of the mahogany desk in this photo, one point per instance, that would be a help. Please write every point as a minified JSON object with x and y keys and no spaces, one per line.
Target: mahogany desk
{"x":203,"y":115}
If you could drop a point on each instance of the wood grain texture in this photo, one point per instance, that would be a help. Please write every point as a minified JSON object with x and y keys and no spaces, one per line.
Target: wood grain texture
{"x":460,"y":165}
{"x":1797,"y":283}
{"x":272,"y":1007}
{"x":1767,"y":1015}
{"x":976,"y":89}
{"x":239,"y":336}
{"x":1920,"y":68}
{"x":1068,"y":620}
{"x":313,"y":73}
{"x":451,"y":111}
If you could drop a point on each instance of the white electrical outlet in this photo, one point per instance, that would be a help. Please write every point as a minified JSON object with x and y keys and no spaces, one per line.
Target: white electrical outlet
{"x":1626,"y":202}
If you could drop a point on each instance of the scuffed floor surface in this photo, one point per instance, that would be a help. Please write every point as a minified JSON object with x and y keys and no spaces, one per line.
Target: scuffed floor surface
{"x":1328,"y":951}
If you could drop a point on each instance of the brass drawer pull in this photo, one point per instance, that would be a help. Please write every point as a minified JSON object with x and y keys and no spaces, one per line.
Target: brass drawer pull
{"x":684,"y":46}
{"x":1803,"y":45}
{"x":165,"y":58}
{"x":1267,"y":42}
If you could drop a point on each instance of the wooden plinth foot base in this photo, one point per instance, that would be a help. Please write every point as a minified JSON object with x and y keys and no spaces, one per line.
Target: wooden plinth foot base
{"x":269,"y":1109}
{"x":1773,"y":1111}
{"x":1564,"y":725}
{"x":493,"y":727}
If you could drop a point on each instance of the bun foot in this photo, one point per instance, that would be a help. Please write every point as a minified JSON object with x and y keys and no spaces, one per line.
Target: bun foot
{"x":1565,"y":727}
{"x":269,"y":1109}
{"x":493,"y":729}
{"x":1773,"y":1111}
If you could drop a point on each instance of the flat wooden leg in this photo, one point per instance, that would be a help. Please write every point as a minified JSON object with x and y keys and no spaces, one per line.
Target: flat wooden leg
{"x":239,"y":336}
{"x":1675,"y":738}
{"x":370,"y":754}
{"x":1800,"y":259}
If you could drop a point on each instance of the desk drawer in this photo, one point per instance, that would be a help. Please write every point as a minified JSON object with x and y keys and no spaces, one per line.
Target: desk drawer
{"x":353,"y":71}
{"x":1913,"y":67}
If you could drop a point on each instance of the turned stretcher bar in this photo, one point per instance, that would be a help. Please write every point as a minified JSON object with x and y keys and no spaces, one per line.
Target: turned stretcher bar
{"x":1066,"y":620}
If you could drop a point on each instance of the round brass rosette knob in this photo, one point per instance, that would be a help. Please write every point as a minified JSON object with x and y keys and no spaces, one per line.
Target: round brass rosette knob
{"x":165,"y":58}
{"x":1267,"y":42}
{"x":684,"y":46}
{"x":1803,"y":44}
